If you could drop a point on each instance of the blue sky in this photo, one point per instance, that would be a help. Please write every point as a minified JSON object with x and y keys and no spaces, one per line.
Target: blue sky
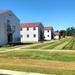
{"x":57,"y":13}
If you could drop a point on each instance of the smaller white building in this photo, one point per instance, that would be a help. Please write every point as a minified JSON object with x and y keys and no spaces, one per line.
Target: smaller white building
{"x":48,"y":33}
{"x":56,"y":35}
{"x":32,"y":32}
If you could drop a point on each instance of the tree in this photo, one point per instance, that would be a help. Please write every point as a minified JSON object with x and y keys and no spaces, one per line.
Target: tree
{"x":73,"y":31}
{"x":62,"y":33}
{"x":70,"y":31}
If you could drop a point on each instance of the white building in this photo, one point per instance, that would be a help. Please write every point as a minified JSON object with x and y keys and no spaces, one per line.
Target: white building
{"x":32,"y":32}
{"x":56,"y":35}
{"x":9,"y":27}
{"x":48,"y":33}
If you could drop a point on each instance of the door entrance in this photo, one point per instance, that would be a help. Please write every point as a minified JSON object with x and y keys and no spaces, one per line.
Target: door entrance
{"x":10,"y":38}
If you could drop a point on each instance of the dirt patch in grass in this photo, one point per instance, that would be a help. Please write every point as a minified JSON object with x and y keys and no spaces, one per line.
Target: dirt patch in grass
{"x":33,"y":65}
{"x":41,"y":64}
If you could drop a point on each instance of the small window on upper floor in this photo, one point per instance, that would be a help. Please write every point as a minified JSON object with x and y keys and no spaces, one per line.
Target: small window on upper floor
{"x":10,"y":14}
{"x":27,"y":28}
{"x":48,"y":30}
{"x":8,"y":22}
{"x":34,"y":28}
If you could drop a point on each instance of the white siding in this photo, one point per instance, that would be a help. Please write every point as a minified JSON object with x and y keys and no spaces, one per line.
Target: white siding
{"x":56,"y":37}
{"x":47,"y":35}
{"x":3,"y":38}
{"x":30,"y":32}
{"x":14,"y":21}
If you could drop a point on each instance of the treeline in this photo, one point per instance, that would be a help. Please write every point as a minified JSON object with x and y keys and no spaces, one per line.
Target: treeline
{"x":70,"y":31}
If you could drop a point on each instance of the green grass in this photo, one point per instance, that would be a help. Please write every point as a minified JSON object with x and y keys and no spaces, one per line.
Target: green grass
{"x":39,"y":60}
{"x":65,"y":43}
{"x":9,"y":59}
{"x":24,"y":60}
{"x":38,"y":70}
{"x":70,"y":45}
{"x":41,"y":45}
{"x":12,"y":46}
{"x":40,"y":55}
{"x":74,"y":45}
{"x":56,"y":43}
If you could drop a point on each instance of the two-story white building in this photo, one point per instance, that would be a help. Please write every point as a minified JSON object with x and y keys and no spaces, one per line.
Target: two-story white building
{"x":48,"y":33}
{"x":32,"y":32}
{"x":9,"y":27}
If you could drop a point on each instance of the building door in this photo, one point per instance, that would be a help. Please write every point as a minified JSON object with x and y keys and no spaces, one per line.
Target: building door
{"x":10,"y":38}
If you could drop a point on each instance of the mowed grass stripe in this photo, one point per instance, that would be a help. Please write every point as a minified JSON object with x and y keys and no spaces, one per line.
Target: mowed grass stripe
{"x":59,"y":63}
{"x":43,"y":44}
{"x":59,"y":47}
{"x":74,"y":45}
{"x":52,"y":45}
{"x":40,"y":44}
{"x":70,"y":44}
{"x":59,"y":43}
{"x":47,"y":44}
{"x":50,"y":67}
{"x":39,"y":55}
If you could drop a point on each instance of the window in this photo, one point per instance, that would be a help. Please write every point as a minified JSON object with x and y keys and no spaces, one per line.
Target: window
{"x":48,"y":35}
{"x":27,"y":28}
{"x":27,"y":35}
{"x":8,"y":25}
{"x":34,"y":35}
{"x":34,"y":28}
{"x":8,"y":22}
{"x":21,"y":36}
{"x":21,"y":29}
{"x":10,"y":14}
{"x":48,"y":30}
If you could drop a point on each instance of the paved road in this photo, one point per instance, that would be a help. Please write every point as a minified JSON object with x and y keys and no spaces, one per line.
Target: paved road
{"x":9,"y":72}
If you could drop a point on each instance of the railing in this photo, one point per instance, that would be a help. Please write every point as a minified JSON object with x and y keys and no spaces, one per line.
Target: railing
{"x":10,"y":30}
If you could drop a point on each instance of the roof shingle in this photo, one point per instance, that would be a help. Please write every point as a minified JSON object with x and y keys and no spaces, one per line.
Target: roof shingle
{"x":3,"y":11}
{"x":48,"y":28}
{"x":30,"y":24}
{"x":56,"y":33}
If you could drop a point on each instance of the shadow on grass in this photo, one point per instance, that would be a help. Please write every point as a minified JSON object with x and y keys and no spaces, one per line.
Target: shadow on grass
{"x":15,"y":44}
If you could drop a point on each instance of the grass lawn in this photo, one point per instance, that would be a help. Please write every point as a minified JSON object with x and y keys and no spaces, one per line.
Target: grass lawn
{"x":5,"y":47}
{"x":40,"y":57}
{"x":70,"y":45}
{"x":60,"y":63}
{"x":63,"y":44}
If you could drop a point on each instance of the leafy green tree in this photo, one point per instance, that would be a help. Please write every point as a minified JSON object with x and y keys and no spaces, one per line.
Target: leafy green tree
{"x":62,"y":33}
{"x":70,"y":31}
